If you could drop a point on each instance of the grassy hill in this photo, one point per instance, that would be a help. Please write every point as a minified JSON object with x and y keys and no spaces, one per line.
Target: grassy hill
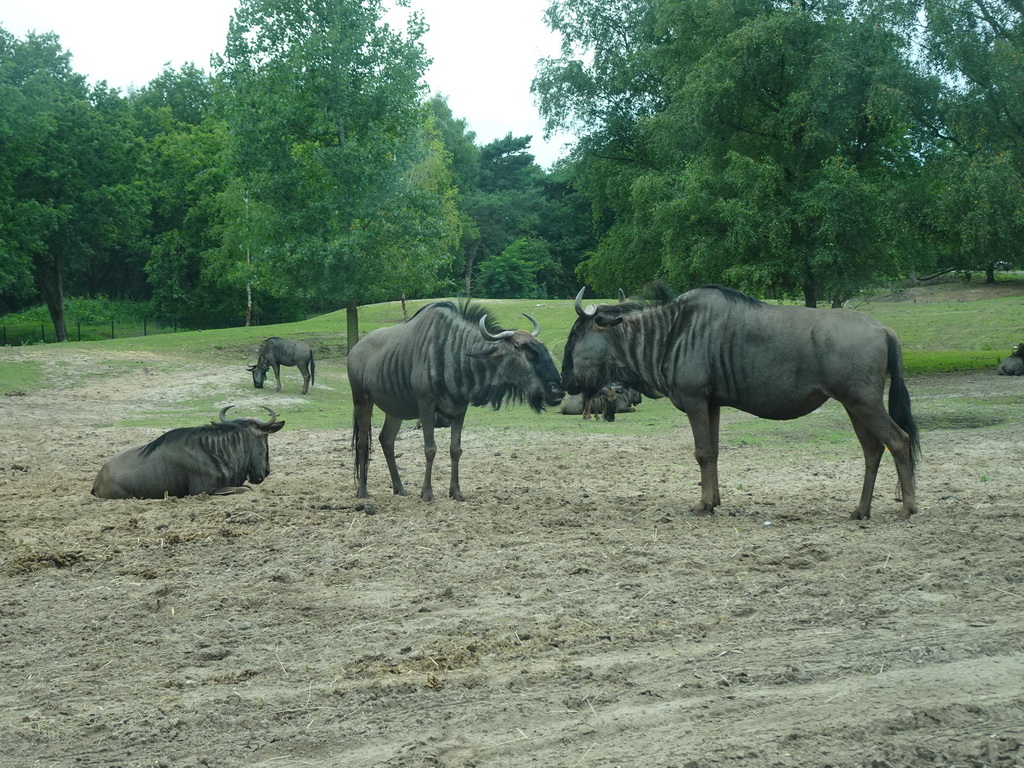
{"x":952,"y":326}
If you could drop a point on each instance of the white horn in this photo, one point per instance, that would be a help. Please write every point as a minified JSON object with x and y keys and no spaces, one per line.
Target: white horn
{"x":492,"y":336}
{"x":590,"y":311}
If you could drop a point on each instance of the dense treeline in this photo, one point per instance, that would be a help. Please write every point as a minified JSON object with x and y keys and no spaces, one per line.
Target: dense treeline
{"x":798,"y":150}
{"x":307,"y":172}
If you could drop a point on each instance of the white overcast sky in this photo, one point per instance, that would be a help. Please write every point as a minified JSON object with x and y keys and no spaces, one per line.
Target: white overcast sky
{"x":485,"y":52}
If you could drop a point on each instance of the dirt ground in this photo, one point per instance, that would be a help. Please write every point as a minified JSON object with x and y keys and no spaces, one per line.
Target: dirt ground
{"x":569,"y":613}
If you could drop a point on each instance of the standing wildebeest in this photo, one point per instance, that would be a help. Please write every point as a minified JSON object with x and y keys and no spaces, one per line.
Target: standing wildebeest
{"x":216,"y":458}
{"x":714,"y":347}
{"x":1014,"y":364}
{"x":439,"y":362}
{"x":275,"y":352}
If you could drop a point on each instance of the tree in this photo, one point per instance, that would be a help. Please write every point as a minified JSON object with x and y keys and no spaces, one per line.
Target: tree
{"x":191,"y":284}
{"x":330,"y":143}
{"x":522,"y":271}
{"x":979,"y":211}
{"x":977,"y":47}
{"x":506,"y":203}
{"x":74,"y":211}
{"x":767,"y":141}
{"x":20,"y":137}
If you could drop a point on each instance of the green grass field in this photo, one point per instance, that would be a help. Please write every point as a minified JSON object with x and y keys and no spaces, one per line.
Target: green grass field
{"x":943,"y":334}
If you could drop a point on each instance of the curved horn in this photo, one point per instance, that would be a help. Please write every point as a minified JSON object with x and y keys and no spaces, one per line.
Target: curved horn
{"x":622,"y":296}
{"x":492,"y":336}
{"x":273,"y":417}
{"x":225,"y":410}
{"x":590,"y":311}
{"x":251,"y":367}
{"x":536,"y":325}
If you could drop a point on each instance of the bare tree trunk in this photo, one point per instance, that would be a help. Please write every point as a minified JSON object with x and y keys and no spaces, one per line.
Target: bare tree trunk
{"x":470,"y":260}
{"x":352,"y":322}
{"x":51,"y":286}
{"x":248,"y":288}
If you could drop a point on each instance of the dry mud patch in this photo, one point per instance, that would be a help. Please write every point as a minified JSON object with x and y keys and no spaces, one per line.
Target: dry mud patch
{"x":569,"y":613}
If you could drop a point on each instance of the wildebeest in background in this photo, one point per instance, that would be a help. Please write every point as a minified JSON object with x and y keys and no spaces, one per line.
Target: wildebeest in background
{"x":714,"y":347}
{"x":610,"y":400}
{"x":1014,"y":364}
{"x":275,"y":352}
{"x":216,"y":458}
{"x":439,"y":362}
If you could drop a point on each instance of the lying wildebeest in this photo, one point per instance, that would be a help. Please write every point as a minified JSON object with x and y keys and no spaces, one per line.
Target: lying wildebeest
{"x":275,"y":352}
{"x":610,"y":400}
{"x":439,"y":362}
{"x":1014,"y":364}
{"x":216,"y":458}
{"x":714,"y":347}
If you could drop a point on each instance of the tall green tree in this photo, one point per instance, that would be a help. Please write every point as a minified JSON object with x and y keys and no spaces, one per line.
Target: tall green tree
{"x":978,"y":207}
{"x":977,"y":46}
{"x":332,"y":149}
{"x":507,"y":203}
{"x":21,"y":135}
{"x":523,"y":270}
{"x":504,"y":196}
{"x":769,"y":144}
{"x":72,"y":208}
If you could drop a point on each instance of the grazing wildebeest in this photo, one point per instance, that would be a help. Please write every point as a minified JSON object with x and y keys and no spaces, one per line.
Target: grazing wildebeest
{"x":275,"y":352}
{"x":216,"y":458}
{"x":714,"y":347}
{"x":439,"y":362}
{"x":1014,"y":364}
{"x":610,"y":400}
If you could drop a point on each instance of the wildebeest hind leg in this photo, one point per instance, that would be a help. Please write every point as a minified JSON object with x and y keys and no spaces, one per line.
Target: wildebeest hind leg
{"x":456,"y":453}
{"x":704,"y":421}
{"x":361,"y":440}
{"x":388,"y":433}
{"x":889,"y":434}
{"x":872,"y":446}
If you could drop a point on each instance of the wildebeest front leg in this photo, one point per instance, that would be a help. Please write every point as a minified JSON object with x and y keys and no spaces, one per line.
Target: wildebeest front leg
{"x":429,"y":452}
{"x":388,"y":433}
{"x":704,"y":421}
{"x":277,"y":375}
{"x":456,"y":453}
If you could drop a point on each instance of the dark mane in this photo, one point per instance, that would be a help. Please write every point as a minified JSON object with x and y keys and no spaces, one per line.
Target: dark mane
{"x":467,"y":310}
{"x":737,"y":297}
{"x":262,"y":360}
{"x":655,"y":294}
{"x":213,"y":431}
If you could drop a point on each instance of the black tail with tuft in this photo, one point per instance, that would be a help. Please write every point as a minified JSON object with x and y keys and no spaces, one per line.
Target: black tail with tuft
{"x":899,"y":399}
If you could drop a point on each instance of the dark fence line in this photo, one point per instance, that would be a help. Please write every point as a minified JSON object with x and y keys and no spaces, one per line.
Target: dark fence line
{"x":16,"y":334}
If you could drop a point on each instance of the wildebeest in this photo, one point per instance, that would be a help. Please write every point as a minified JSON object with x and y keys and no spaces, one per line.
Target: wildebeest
{"x":439,"y":362}
{"x":1014,"y":364}
{"x":216,"y":458}
{"x":275,"y":352}
{"x":714,"y":347}
{"x":610,"y":400}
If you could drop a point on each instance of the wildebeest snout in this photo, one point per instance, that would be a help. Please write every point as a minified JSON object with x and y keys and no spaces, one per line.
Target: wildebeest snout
{"x":555,"y":393}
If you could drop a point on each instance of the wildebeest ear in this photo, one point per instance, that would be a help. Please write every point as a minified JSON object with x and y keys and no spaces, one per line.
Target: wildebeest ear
{"x":275,"y":426}
{"x":605,"y":320}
